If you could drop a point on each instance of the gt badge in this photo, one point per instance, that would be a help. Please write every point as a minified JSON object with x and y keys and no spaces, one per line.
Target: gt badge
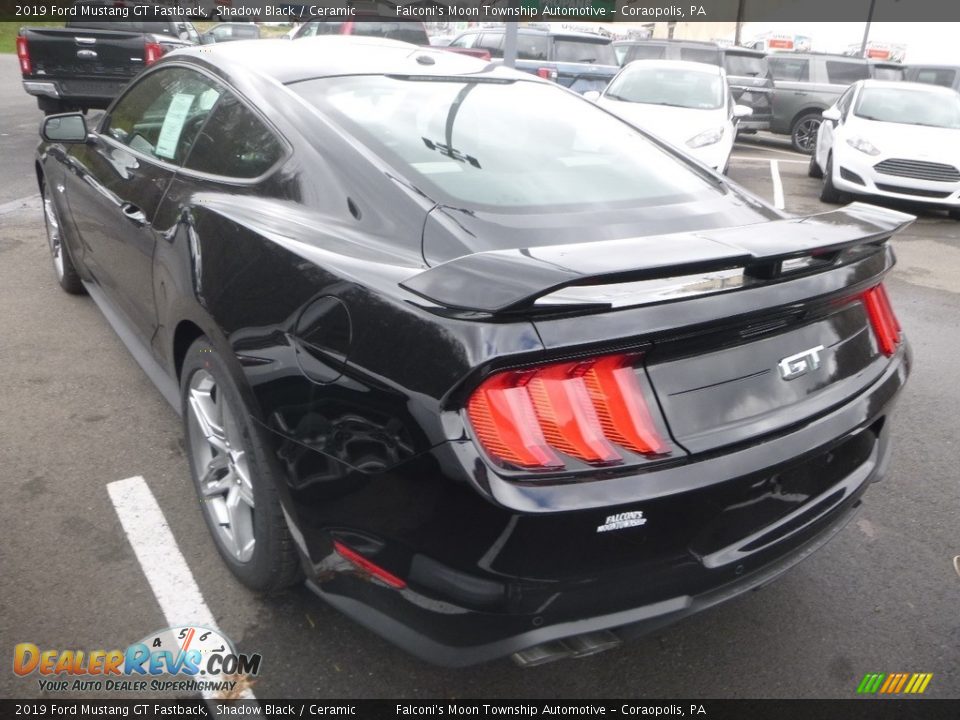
{"x":622,"y":521}
{"x":801,"y":363}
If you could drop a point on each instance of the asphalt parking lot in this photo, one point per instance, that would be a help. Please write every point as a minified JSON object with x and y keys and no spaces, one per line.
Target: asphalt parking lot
{"x":78,"y":414}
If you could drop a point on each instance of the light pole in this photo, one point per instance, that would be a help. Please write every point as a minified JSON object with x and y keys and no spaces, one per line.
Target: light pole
{"x":866,"y":30}
{"x":510,"y":43}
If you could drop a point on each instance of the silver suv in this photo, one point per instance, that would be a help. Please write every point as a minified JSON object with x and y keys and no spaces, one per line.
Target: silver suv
{"x":806,"y":84}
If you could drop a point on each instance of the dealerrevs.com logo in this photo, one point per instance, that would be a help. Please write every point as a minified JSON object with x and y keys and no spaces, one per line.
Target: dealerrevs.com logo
{"x":191,"y":659}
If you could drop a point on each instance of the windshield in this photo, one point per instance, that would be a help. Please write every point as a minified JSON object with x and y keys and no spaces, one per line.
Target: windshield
{"x":678,"y":87}
{"x":502,"y":145}
{"x":910,"y":107}
{"x":584,"y":51}
{"x":745,"y":65}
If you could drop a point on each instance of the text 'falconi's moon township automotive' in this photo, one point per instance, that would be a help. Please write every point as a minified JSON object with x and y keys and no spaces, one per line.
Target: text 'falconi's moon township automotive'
{"x":495,"y":370}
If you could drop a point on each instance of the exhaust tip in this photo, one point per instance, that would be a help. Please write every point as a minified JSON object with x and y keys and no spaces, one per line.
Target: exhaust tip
{"x":577,"y":646}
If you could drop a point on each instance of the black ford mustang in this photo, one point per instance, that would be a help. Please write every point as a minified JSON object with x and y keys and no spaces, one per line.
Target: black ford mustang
{"x":496,"y":371}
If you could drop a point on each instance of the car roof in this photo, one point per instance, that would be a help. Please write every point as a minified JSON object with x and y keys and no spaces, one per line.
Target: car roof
{"x":679,"y":65}
{"x":578,"y":34}
{"x":807,"y":55}
{"x":313,"y":57}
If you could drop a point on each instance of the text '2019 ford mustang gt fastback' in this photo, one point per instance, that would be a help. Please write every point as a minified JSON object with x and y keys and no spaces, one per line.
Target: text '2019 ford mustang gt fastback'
{"x":495,"y":370}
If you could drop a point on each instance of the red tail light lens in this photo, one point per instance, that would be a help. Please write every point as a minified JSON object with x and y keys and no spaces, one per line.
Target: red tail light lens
{"x":23,"y":54}
{"x":505,"y":421}
{"x":886,"y":327}
{"x":567,"y":416}
{"x":618,"y":397}
{"x":152,"y":52}
{"x":547,"y":73}
{"x":583,"y":409}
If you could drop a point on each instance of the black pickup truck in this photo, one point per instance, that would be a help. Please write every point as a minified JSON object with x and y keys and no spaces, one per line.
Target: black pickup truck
{"x":87,"y":63}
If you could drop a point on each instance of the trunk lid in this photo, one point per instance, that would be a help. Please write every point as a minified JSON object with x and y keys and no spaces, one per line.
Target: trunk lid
{"x":82,"y":52}
{"x":745,"y":331}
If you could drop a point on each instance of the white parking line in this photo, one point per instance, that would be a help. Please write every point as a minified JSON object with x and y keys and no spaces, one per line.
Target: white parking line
{"x":167,"y":572}
{"x":744,"y":146}
{"x":746,"y":158}
{"x":777,"y":184}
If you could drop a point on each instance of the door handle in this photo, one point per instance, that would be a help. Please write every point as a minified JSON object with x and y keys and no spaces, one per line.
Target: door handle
{"x":134,"y":214}
{"x":800,"y":92}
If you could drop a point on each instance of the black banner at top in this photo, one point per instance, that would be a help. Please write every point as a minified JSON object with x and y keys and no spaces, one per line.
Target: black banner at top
{"x":635,"y":11}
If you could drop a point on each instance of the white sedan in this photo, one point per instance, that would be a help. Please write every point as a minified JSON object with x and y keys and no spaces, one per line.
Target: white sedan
{"x":688,"y":104}
{"x":891,"y":139}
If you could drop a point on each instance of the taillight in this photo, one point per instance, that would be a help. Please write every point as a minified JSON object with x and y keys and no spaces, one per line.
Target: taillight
{"x":23,"y":53}
{"x":589,"y":409}
{"x":152,"y":52}
{"x":547,"y":73}
{"x":368,"y":566}
{"x":884,"y":322}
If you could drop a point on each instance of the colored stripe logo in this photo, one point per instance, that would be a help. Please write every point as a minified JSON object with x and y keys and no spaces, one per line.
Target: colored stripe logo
{"x":894,"y":683}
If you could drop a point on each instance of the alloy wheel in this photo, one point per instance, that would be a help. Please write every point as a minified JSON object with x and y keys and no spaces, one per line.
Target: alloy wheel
{"x":805,"y":134}
{"x":221,"y":464}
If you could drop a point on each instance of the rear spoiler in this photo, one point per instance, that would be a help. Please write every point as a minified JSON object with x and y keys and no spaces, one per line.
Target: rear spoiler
{"x":501,"y":281}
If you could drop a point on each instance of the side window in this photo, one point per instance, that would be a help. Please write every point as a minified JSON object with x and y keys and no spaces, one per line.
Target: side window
{"x":161,"y":115}
{"x":491,"y":41}
{"x":464,"y":41}
{"x":844,"y":73}
{"x":933,"y":76}
{"x":790,"y":69}
{"x":234,"y":143}
{"x":531,"y":47}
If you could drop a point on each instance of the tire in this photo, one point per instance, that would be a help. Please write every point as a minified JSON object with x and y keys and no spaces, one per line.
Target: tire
{"x":63,"y":266}
{"x":803,"y":134}
{"x":233,"y":478}
{"x":813,"y":169}
{"x":828,"y":193}
{"x":954,"y":214}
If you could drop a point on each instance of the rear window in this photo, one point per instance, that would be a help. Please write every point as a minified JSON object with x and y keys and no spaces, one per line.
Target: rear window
{"x":647,"y":52}
{"x":745,"y":65}
{"x":411,"y":32}
{"x":789,"y":69}
{"x":583,"y":51}
{"x":504,"y":145}
{"x":531,"y":47}
{"x":845,"y":73}
{"x":887,"y":73}
{"x":711,"y":56}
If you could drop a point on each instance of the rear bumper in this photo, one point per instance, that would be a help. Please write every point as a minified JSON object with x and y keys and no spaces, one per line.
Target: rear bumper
{"x":749,"y":123}
{"x":464,"y":604}
{"x":95,"y":93}
{"x":625,"y":624}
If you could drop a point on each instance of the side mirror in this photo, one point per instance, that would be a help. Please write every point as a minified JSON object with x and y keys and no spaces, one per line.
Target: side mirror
{"x":592,"y":95}
{"x":832,"y":114}
{"x":66,"y":128}
{"x":207,"y":39}
{"x":742,"y":111}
